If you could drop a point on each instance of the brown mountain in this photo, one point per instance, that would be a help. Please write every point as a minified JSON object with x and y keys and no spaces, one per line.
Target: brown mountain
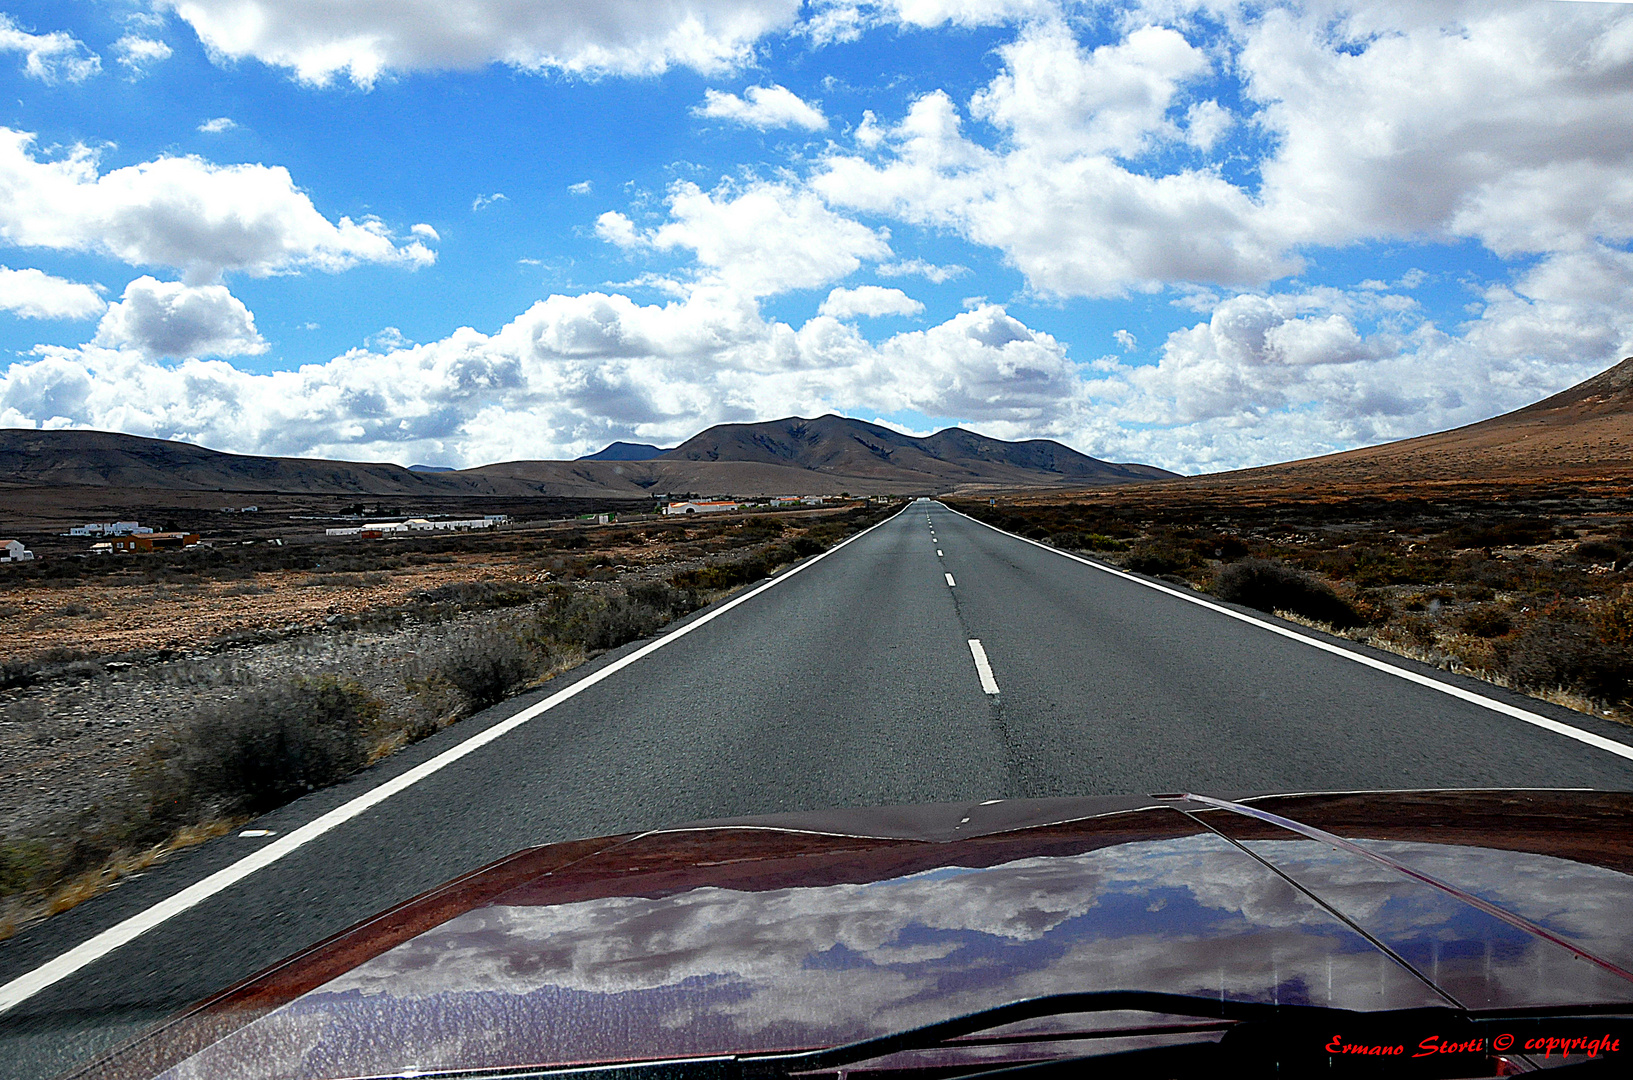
{"x":828,"y":455}
{"x":1584,"y":432}
{"x":842,"y":446}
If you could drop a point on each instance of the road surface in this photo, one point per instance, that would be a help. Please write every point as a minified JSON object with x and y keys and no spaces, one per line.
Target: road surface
{"x":932,"y":659}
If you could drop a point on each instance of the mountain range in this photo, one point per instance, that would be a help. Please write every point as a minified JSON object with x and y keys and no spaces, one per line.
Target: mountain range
{"x":1582,"y":433}
{"x":825,"y":456}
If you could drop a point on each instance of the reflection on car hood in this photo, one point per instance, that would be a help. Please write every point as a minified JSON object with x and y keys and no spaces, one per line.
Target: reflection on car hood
{"x":805,"y":931}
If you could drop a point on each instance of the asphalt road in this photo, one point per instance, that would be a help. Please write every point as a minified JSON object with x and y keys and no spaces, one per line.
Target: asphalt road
{"x":850,"y":683}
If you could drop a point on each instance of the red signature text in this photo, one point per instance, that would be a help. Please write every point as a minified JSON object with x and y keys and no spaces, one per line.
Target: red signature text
{"x":1434,"y":1044}
{"x":1547,"y":1045}
{"x":1591,"y":1047}
{"x":1339,"y":1046}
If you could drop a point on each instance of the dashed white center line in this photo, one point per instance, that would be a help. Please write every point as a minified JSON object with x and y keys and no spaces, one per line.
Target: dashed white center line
{"x":950,"y":582}
{"x":989,"y":685}
{"x":938,"y":553}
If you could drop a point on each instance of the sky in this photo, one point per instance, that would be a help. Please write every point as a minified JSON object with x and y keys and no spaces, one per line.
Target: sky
{"x":1199,"y":234}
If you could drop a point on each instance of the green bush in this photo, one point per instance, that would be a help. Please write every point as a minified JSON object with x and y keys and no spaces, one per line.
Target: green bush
{"x":1271,"y":585}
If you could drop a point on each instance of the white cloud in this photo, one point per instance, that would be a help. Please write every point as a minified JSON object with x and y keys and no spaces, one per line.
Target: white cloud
{"x":168,"y":319}
{"x":617,"y":229}
{"x":1269,"y":377}
{"x":488,"y":200}
{"x":51,"y":58}
{"x":1056,"y":99}
{"x":845,"y":20}
{"x":870,"y":300}
{"x":182,"y":212}
{"x":568,"y":375}
{"x":1125,"y":339}
{"x":425,"y":232}
{"x":1078,"y":224}
{"x":583,"y":187}
{"x":927,"y":270}
{"x":34,"y":294}
{"x":1390,"y":124}
{"x":365,"y":40}
{"x":217,"y":125}
{"x":138,"y":53}
{"x":763,"y":107}
{"x":757,"y":238}
{"x":1206,"y":123}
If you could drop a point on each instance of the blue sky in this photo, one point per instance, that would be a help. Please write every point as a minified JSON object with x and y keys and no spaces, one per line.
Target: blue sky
{"x":1199,"y":234}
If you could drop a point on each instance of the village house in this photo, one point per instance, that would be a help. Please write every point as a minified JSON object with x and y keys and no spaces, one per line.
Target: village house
{"x":14,"y":551}
{"x":713,"y":506}
{"x":151,"y":541}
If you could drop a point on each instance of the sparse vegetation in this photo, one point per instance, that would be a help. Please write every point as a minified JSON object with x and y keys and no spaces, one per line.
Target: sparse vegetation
{"x":1271,"y":585}
{"x":280,"y":711}
{"x":1530,"y":589}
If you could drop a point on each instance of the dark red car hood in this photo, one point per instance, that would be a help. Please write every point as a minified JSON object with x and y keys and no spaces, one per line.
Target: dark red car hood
{"x":811,"y":930}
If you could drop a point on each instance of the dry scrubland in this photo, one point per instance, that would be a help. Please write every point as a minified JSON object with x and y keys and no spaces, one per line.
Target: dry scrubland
{"x":1529,"y":588}
{"x":151,"y":702}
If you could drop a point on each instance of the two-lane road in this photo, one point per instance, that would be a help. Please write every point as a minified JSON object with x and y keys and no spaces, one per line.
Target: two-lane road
{"x":851,"y":682}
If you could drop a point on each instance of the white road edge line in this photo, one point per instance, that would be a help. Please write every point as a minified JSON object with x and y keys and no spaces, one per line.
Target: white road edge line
{"x":989,"y":685}
{"x":89,"y":951}
{"x":951,"y":584}
{"x":1598,"y":742}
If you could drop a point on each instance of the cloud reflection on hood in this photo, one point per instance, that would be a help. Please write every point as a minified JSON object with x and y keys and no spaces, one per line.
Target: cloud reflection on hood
{"x":715,"y":969}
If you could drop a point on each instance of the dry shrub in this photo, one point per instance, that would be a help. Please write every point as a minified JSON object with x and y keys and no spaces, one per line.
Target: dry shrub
{"x":1614,"y":621}
{"x":1553,"y":653}
{"x":486,"y":666}
{"x":1485,"y":621}
{"x":259,"y":751}
{"x":1271,"y":585}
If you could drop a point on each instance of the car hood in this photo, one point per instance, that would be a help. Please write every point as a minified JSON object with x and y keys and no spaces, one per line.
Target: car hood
{"x":812,"y":930}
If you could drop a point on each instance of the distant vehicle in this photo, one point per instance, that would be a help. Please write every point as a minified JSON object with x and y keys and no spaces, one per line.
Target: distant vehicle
{"x":1428,"y":933}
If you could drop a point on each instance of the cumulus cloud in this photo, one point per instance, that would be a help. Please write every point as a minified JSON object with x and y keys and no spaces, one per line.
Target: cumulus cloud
{"x":1390,"y":124}
{"x":756,"y":239}
{"x":1074,"y":220}
{"x":53,"y":57}
{"x":364,"y":40}
{"x":927,"y":270}
{"x":488,"y":200}
{"x":217,"y":125}
{"x":138,"y":53}
{"x":569,"y":374}
{"x":1272,"y":376}
{"x":168,"y":319}
{"x":183,"y":212}
{"x":870,"y":300}
{"x":1382,"y":123}
{"x":763,"y":107}
{"x":34,"y":294}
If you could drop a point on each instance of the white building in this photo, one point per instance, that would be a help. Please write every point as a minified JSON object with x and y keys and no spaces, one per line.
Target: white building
{"x":712,"y":506}
{"x":372,"y":529}
{"x":14,"y":551}
{"x":111,"y":528}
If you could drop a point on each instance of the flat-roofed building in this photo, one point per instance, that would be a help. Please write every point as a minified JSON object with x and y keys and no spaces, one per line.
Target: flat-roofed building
{"x":155,"y":541}
{"x":709,"y":506}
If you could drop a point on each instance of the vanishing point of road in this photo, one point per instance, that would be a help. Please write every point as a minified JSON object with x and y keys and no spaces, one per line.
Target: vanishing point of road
{"x":931,"y":659}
